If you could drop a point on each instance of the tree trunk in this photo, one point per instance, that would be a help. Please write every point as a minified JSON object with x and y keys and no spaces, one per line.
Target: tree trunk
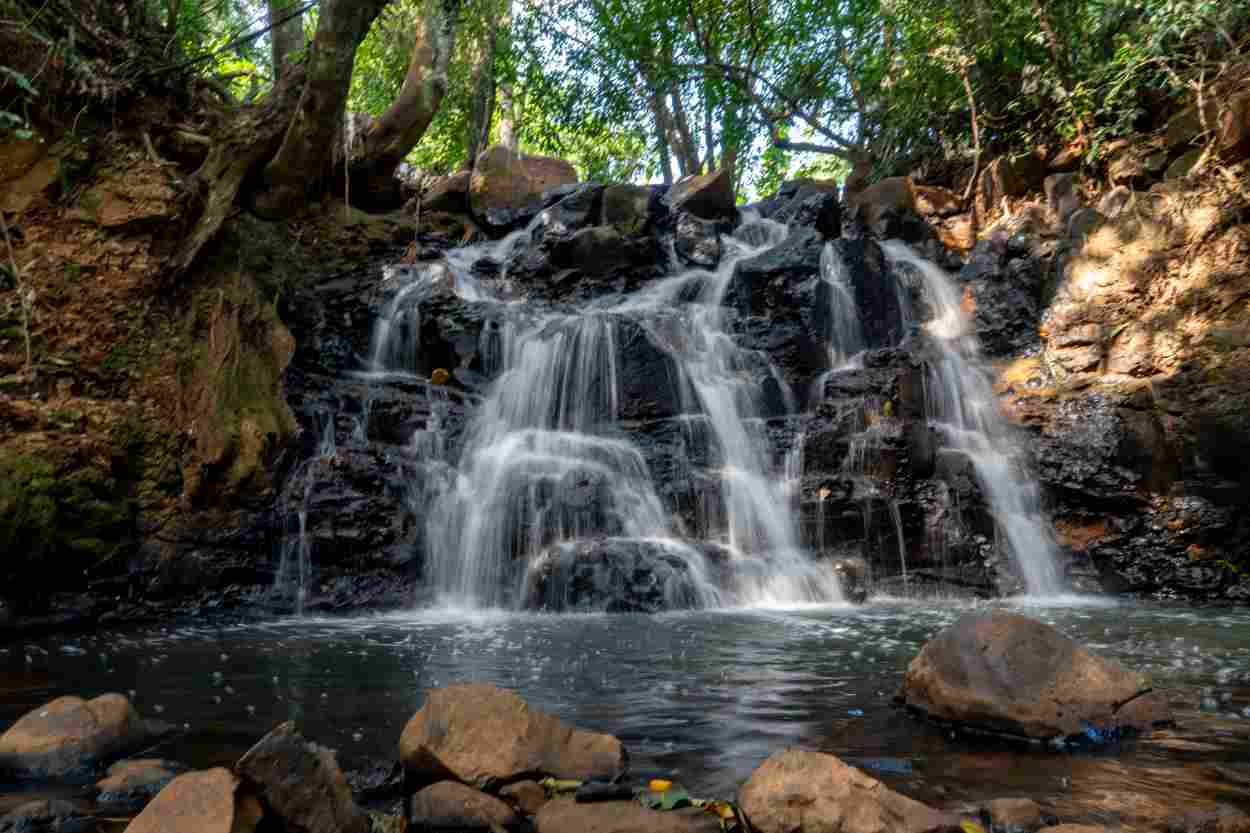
{"x":240,"y":146}
{"x":507,"y":120}
{"x":286,"y":37}
{"x":684,"y":148}
{"x":483,"y":105}
{"x":391,"y":137}
{"x":299,"y":171}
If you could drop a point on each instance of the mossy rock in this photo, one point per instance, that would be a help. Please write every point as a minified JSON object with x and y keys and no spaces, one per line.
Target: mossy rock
{"x":52,"y":518}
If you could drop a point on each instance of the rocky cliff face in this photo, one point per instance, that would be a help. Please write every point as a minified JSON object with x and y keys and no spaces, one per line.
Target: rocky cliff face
{"x":177,"y":443}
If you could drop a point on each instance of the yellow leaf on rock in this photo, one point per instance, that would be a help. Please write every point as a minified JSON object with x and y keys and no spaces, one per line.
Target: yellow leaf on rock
{"x":970,"y":826}
{"x":659,"y":785}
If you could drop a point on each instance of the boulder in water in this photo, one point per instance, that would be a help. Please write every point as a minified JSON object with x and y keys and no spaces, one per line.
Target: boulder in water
{"x":708,"y":196}
{"x":697,"y":242}
{"x":448,"y":805}
{"x":564,"y":816}
{"x":484,"y":735}
{"x":1005,"y":673}
{"x":796,"y":791}
{"x":301,"y":783}
{"x":616,"y":575}
{"x":210,"y":801}
{"x":69,"y":736}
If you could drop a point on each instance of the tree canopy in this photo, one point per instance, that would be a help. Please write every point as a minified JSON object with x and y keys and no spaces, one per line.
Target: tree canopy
{"x":655,"y":89}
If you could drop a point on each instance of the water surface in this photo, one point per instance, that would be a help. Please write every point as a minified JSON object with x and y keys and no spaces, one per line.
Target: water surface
{"x":702,"y":695}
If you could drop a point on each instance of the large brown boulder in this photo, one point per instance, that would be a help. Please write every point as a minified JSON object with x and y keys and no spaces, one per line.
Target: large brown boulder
{"x":796,"y":791}
{"x":449,"y":805}
{"x":564,"y":816}
{"x":449,"y":194}
{"x":707,"y":196}
{"x":484,"y":735}
{"x":69,"y":736}
{"x":503,"y":179}
{"x":1007,"y":673}
{"x":302,"y":784}
{"x":211,"y":801}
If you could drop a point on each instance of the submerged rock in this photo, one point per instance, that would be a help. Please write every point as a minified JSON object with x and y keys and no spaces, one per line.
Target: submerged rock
{"x":448,"y":805}
{"x":1013,"y":815}
{"x":564,"y":816}
{"x":70,"y":736}
{"x":301,"y":783}
{"x":484,"y":735}
{"x":132,"y":784}
{"x":53,"y":815}
{"x":1005,"y":673}
{"x":796,"y":791}
{"x":617,"y":575}
{"x":210,"y":801}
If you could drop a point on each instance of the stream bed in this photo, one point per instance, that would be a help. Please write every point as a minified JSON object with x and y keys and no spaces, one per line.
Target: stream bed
{"x":703,"y":695}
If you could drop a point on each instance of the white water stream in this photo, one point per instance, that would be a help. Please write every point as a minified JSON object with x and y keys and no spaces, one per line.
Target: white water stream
{"x":545,"y":461}
{"x":962,"y":405}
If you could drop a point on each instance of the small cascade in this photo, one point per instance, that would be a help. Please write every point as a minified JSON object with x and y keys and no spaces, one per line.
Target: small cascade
{"x":962,"y":405}
{"x":295,"y":564}
{"x":551,"y":496}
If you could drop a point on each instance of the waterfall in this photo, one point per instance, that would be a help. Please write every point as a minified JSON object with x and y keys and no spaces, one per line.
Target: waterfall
{"x":963,"y":407}
{"x":548,"y":475}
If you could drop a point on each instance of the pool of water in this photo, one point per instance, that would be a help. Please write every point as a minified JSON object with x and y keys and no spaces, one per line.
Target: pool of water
{"x":705,"y":696}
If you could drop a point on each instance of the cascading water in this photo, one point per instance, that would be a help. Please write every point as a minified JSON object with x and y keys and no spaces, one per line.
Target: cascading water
{"x":962,"y":405}
{"x":548,"y":473}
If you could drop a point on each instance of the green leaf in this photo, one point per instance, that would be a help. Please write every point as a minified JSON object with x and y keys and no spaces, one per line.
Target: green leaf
{"x":19,"y":79}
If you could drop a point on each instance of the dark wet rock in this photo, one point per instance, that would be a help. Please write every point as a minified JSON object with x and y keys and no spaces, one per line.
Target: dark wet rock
{"x":796,"y":791}
{"x":564,"y":816}
{"x":707,"y":196}
{"x":449,"y":805}
{"x":575,"y":210}
{"x":784,"y":304}
{"x":1014,"y":815}
{"x":628,"y":208}
{"x":376,"y":780}
{"x":855,"y":576}
{"x":70,"y":736}
{"x":209,"y":801}
{"x":697,"y":242}
{"x":599,"y":250}
{"x":527,"y":796}
{"x":1005,"y":673}
{"x":47,"y":816}
{"x":813,"y":204}
{"x":131,"y":784}
{"x":486,"y":736}
{"x":301,"y":783}
{"x":1004,"y":291}
{"x":647,"y":379}
{"x":616,"y":575}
